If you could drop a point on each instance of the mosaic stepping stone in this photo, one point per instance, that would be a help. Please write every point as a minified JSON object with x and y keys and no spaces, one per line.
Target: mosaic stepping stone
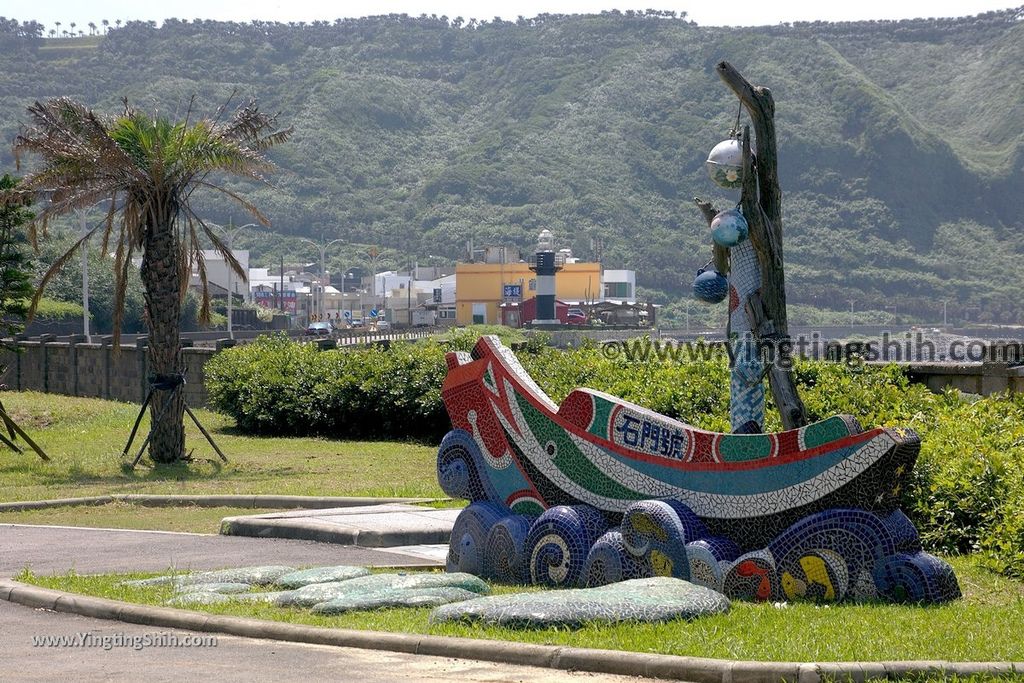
{"x":410,"y":597}
{"x":154,"y":581}
{"x":225,"y":588}
{"x":199,"y":598}
{"x":316,"y":593}
{"x":660,"y":598}
{"x":253,"y":576}
{"x":266,"y":596}
{"x":306,"y":577}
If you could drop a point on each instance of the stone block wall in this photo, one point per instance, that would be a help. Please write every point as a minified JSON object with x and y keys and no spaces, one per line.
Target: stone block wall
{"x":75,"y":368}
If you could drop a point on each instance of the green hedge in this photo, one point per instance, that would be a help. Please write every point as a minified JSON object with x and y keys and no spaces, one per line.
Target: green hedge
{"x":968,"y":489}
{"x":51,"y":309}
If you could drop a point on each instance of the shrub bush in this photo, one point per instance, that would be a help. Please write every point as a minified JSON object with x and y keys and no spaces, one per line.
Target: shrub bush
{"x":967,"y":493}
{"x":276,"y":386}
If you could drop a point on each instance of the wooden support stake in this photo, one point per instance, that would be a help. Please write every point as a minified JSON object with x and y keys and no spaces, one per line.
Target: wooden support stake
{"x":13,"y":428}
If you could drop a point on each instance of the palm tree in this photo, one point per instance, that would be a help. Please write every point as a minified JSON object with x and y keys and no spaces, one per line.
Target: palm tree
{"x":57,"y":24}
{"x":117,"y":22}
{"x":92,"y":28}
{"x":106,"y":25}
{"x":147,"y":168}
{"x":72,"y":25}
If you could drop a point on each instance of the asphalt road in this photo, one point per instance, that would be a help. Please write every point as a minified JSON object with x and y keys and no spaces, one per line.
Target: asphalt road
{"x":58,"y":549}
{"x":48,"y":550}
{"x":244,"y":660}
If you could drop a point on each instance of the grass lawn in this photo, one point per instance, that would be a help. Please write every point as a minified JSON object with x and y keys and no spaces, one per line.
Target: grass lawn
{"x":983,"y":626}
{"x":128,"y":516}
{"x":84,"y":438}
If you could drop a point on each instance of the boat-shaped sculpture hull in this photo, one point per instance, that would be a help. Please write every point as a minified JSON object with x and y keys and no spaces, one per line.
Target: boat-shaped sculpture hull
{"x":518,"y":455}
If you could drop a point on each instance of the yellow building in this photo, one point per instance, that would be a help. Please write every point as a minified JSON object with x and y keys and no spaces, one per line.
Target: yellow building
{"x":481,"y":288}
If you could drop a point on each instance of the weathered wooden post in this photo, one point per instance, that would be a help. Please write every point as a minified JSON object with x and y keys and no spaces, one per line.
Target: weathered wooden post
{"x":761,"y":203}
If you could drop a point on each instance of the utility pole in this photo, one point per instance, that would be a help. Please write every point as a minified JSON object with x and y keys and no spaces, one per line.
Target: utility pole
{"x":944,"y":321}
{"x":374,"y":255}
{"x":230,"y":231}
{"x":851,"y":312}
{"x":85,"y":276}
{"x":322,"y":247}
{"x":408,"y":295}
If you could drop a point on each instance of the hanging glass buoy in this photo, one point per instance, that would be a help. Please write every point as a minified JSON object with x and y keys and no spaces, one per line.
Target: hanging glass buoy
{"x":710,"y":286}
{"x":725,"y":163}
{"x":729,"y":228}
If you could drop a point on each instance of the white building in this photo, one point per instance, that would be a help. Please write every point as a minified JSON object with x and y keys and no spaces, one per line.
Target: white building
{"x":619,"y":286}
{"x":386,"y":282}
{"x":443,"y":299}
{"x":217,"y":273}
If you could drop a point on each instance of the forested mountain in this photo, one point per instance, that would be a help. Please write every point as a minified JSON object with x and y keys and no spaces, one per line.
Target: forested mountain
{"x":901,"y":143}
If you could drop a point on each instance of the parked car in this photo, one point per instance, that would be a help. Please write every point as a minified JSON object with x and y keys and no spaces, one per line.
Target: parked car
{"x":321,"y":329}
{"x":382,"y":325}
{"x":576,"y":316}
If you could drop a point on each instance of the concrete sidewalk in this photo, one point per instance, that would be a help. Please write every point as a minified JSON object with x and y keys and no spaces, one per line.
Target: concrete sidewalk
{"x":49,"y":549}
{"x":371,"y":526}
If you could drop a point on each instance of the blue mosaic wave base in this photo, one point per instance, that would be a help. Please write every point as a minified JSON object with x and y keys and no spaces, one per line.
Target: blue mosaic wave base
{"x":829,"y":556}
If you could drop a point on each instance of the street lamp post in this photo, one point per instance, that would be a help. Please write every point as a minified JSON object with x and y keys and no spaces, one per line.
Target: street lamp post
{"x":322,"y":247}
{"x":85,"y":276}
{"x":231,"y":230}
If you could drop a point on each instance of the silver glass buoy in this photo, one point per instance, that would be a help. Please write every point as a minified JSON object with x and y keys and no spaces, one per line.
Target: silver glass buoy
{"x":725,"y":163}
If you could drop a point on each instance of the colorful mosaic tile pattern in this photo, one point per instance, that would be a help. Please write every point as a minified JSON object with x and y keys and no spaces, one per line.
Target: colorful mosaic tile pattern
{"x":599,"y":490}
{"x":746,"y":388}
{"x":505,"y":550}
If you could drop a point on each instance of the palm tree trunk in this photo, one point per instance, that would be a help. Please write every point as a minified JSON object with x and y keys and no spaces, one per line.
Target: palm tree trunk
{"x":161,"y":277}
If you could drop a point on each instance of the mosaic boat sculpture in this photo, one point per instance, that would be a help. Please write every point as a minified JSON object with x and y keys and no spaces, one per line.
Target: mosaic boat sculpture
{"x":549,"y":484}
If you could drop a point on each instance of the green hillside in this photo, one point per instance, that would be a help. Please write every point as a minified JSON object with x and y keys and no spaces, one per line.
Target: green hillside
{"x":901,"y":143}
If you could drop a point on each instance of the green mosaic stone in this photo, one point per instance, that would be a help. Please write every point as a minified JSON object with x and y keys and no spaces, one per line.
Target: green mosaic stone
{"x":639,"y":600}
{"x":409,"y":597}
{"x":267,"y":596}
{"x":199,"y":598}
{"x":251,"y":576}
{"x":317,"y":593}
{"x":306,"y":577}
{"x":222,"y":587}
{"x":254,"y":576}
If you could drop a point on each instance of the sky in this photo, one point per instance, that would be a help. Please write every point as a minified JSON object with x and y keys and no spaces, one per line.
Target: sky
{"x":704,"y":12}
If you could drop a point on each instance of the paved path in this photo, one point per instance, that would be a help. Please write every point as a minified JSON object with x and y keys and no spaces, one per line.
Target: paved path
{"x":233,"y":659}
{"x":369,"y":526}
{"x":48,"y":550}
